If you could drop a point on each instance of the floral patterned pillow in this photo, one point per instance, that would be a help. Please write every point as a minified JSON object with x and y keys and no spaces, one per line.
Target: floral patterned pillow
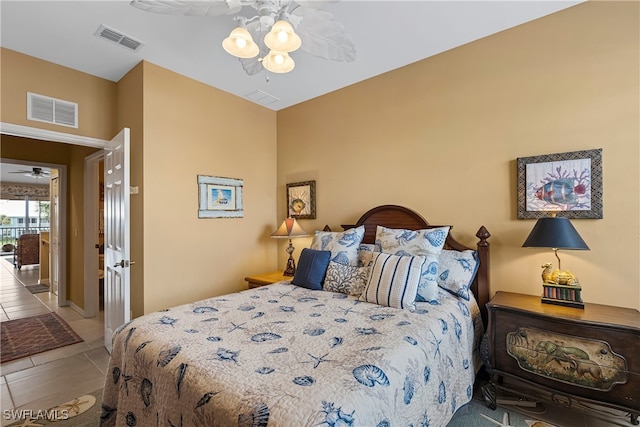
{"x":346,"y":279}
{"x":365,"y":253}
{"x":456,"y":271}
{"x":427,"y":242}
{"x":343,"y":245}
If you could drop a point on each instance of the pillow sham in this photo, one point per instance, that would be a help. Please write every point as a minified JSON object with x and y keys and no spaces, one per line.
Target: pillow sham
{"x":427,"y":243}
{"x":456,"y":271}
{"x":365,"y":253}
{"x":343,"y":245}
{"x":393,"y":281}
{"x":346,"y":279}
{"x":312,"y":267}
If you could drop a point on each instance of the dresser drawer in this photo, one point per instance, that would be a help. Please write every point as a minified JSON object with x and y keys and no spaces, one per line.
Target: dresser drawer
{"x":589,"y":354}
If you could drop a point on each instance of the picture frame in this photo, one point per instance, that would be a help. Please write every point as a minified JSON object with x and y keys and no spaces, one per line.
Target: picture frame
{"x":301,"y":200}
{"x":569,"y":184}
{"x":219,"y":197}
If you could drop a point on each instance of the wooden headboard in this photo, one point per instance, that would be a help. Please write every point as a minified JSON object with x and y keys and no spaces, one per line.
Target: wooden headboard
{"x":393,"y":216}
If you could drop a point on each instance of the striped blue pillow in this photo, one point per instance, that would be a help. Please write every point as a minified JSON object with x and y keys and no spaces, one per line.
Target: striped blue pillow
{"x":394,"y":280}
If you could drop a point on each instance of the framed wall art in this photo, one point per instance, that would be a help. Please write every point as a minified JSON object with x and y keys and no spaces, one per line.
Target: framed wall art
{"x":567,"y":183}
{"x":219,"y":197}
{"x":301,"y":200}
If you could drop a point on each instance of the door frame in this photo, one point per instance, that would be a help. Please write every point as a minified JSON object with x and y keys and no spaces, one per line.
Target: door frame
{"x":66,"y":138}
{"x":91,"y":229}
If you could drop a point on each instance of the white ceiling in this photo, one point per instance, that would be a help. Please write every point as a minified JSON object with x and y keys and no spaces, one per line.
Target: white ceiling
{"x":387,"y":35}
{"x":10,"y":172}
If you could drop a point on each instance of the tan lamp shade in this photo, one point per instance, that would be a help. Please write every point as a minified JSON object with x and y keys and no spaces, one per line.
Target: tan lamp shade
{"x":289,"y":229}
{"x":282,"y":38}
{"x":240,"y":44}
{"x":278,"y":62}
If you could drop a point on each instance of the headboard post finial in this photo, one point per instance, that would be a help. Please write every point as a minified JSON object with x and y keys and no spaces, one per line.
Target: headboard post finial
{"x":483,"y":234}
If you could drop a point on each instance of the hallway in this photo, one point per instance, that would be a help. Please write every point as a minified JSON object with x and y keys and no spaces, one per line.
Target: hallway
{"x":47,"y":379}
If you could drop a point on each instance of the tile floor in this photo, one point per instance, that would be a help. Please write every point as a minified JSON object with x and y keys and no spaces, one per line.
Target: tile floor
{"x":44,"y":380}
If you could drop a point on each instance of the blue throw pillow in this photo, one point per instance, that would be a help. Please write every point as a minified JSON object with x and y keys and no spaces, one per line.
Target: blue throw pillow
{"x":312,"y":266}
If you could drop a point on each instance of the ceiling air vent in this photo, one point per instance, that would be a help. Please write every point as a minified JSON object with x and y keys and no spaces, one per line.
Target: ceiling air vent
{"x":50,"y":110}
{"x":262,"y":97}
{"x":117,"y":37}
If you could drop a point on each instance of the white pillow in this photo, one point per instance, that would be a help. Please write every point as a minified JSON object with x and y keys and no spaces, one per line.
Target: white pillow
{"x":346,"y":279}
{"x":393,"y":281}
{"x":456,"y":271}
{"x":343,"y":245}
{"x":427,"y":243}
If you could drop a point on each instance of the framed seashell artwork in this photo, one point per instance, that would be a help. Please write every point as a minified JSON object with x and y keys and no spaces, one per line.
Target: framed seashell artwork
{"x":301,"y":200}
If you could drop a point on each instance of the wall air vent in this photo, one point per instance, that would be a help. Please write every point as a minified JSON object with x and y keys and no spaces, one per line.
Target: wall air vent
{"x":119,"y":38}
{"x":50,"y":110}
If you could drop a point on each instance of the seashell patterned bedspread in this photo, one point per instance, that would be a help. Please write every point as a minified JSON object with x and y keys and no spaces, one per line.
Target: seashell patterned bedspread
{"x":281,"y":355}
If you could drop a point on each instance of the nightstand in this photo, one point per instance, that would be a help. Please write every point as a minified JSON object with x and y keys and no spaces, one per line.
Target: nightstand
{"x":266,"y":279}
{"x":573,"y":355}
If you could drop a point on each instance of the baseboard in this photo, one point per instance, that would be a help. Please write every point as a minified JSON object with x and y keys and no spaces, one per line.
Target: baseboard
{"x":76,"y":308}
{"x":44,"y":282}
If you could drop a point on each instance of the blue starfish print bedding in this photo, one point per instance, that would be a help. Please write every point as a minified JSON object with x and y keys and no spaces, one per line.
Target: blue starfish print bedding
{"x":282,"y":355}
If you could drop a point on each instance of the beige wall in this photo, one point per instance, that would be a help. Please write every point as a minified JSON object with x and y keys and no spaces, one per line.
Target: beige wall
{"x":442,"y":136}
{"x":131,"y":114}
{"x":96,"y":97}
{"x":191,"y":129}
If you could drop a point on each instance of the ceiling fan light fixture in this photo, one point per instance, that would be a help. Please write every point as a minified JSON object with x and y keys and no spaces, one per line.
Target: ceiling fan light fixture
{"x":282,"y":37}
{"x":240,"y":44}
{"x":278,"y":62}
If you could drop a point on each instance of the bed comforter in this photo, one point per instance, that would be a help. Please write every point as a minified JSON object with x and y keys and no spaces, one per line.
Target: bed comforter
{"x":281,"y":355}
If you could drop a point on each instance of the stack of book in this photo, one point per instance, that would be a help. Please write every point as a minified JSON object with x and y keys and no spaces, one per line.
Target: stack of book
{"x":568,"y":295}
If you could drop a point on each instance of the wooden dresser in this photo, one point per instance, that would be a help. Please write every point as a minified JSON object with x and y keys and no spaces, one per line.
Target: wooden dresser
{"x":577,"y":355}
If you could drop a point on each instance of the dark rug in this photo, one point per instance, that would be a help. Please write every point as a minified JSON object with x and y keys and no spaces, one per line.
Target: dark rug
{"x":36,"y":289}
{"x":35,"y":334}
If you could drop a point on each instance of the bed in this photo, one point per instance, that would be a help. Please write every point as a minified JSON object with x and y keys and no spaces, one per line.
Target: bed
{"x":285,"y":355}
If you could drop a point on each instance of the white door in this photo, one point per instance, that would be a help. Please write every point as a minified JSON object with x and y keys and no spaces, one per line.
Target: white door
{"x":54,"y":233}
{"x":116,"y":235}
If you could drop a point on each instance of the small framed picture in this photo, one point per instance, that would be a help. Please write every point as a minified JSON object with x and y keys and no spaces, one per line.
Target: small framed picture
{"x":301,"y":200}
{"x":569,"y":184}
{"x":219,"y":197}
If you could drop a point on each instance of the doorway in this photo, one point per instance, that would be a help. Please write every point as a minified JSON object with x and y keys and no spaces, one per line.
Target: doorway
{"x":58,"y":137}
{"x":57,"y":236}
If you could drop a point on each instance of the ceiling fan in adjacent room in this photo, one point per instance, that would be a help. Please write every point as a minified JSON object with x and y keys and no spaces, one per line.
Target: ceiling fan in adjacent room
{"x":35,"y":172}
{"x":266,"y":36}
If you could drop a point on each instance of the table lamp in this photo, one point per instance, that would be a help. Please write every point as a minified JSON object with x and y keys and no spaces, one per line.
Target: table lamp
{"x":559,"y":287}
{"x":288,"y":230}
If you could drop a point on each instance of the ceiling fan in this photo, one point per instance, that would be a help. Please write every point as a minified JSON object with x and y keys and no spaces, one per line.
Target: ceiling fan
{"x":319,"y":34}
{"x":35,"y":172}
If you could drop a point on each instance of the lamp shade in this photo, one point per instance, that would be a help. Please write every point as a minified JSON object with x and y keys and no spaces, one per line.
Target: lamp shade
{"x":282,"y":37}
{"x":240,"y":44}
{"x":278,"y":62}
{"x":554,"y":232}
{"x":289,"y":229}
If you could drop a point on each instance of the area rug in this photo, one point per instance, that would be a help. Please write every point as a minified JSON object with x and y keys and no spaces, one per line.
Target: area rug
{"x":36,"y":289}
{"x":83,"y":411}
{"x":35,"y":334}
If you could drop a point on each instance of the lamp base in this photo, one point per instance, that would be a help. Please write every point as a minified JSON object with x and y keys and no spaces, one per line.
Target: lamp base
{"x":291,"y":267}
{"x":567,"y":295}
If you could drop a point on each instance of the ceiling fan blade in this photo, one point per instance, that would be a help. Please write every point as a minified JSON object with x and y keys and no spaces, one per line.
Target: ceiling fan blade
{"x":192,"y":7}
{"x":324,"y":37}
